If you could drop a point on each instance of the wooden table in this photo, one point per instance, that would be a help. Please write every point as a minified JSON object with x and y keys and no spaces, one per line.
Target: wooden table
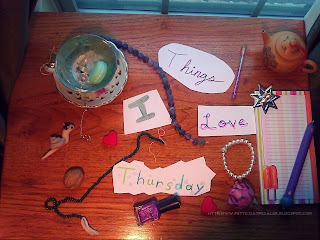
{"x":37,"y":110}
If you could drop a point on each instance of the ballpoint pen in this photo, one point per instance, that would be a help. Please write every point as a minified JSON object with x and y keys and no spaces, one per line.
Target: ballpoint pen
{"x":235,"y":89}
{"x":287,"y":200}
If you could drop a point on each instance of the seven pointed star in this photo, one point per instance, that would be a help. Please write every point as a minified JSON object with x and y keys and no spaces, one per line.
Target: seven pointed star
{"x":265,"y":98}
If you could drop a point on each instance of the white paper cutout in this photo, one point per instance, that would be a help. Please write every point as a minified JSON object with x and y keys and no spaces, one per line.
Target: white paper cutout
{"x":197,"y":70}
{"x":143,"y":112}
{"x":191,"y":178}
{"x":226,"y":120}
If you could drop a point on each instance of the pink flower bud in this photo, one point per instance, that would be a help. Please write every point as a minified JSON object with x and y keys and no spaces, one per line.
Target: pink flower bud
{"x":241,"y":195}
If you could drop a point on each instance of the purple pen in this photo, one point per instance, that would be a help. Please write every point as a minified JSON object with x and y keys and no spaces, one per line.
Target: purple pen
{"x":287,"y":200}
{"x":235,"y":89}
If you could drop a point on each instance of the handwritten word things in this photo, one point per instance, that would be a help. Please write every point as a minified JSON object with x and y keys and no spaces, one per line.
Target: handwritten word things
{"x":191,"y":178}
{"x":225,"y":120}
{"x":191,"y":70}
{"x":197,"y":70}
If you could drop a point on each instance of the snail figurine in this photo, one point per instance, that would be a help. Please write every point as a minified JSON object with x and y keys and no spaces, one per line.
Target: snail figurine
{"x":286,"y":52}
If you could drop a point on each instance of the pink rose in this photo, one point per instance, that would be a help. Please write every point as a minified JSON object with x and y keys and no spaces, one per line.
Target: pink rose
{"x":241,"y":195}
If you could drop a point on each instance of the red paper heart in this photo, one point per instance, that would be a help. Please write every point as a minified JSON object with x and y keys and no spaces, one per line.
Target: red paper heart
{"x":110,"y":139}
{"x":208,"y":206}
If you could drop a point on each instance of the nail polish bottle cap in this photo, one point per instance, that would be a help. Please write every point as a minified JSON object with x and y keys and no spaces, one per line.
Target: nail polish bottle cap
{"x":169,"y":203}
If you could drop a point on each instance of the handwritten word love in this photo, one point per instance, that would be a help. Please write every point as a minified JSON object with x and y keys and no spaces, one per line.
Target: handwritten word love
{"x":222,"y":123}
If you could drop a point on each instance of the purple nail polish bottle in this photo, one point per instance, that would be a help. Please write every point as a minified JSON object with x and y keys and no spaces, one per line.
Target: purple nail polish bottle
{"x":151,"y":209}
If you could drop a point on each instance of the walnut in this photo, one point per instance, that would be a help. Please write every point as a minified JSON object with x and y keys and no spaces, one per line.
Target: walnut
{"x":73,"y":177}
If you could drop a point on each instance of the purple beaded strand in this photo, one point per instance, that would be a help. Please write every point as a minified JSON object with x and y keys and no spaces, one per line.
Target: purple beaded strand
{"x":166,"y":86}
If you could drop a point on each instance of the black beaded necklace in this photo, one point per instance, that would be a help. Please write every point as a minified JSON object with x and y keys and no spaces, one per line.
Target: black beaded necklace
{"x":166,"y":86}
{"x":52,"y":204}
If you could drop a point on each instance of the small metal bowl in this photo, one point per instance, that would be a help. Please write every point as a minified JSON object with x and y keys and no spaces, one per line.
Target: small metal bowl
{"x":77,"y":57}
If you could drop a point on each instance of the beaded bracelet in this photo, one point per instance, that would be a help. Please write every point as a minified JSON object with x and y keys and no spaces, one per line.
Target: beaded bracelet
{"x":224,"y":160}
{"x":166,"y":86}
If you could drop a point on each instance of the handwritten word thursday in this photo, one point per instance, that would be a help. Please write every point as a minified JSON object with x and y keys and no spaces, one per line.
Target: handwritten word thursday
{"x":158,"y":184}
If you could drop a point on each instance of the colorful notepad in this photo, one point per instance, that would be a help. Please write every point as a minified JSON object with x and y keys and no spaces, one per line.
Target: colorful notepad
{"x":279,"y":134}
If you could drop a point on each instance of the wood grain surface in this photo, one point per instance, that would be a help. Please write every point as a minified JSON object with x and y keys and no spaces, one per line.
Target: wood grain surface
{"x":37,"y":110}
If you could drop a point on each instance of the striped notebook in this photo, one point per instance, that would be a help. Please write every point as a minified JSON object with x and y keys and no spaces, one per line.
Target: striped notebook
{"x":279,"y":134}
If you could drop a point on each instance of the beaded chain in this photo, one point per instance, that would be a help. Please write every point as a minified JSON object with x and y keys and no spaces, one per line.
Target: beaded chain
{"x":224,"y":159}
{"x":55,"y":204}
{"x":166,"y":86}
